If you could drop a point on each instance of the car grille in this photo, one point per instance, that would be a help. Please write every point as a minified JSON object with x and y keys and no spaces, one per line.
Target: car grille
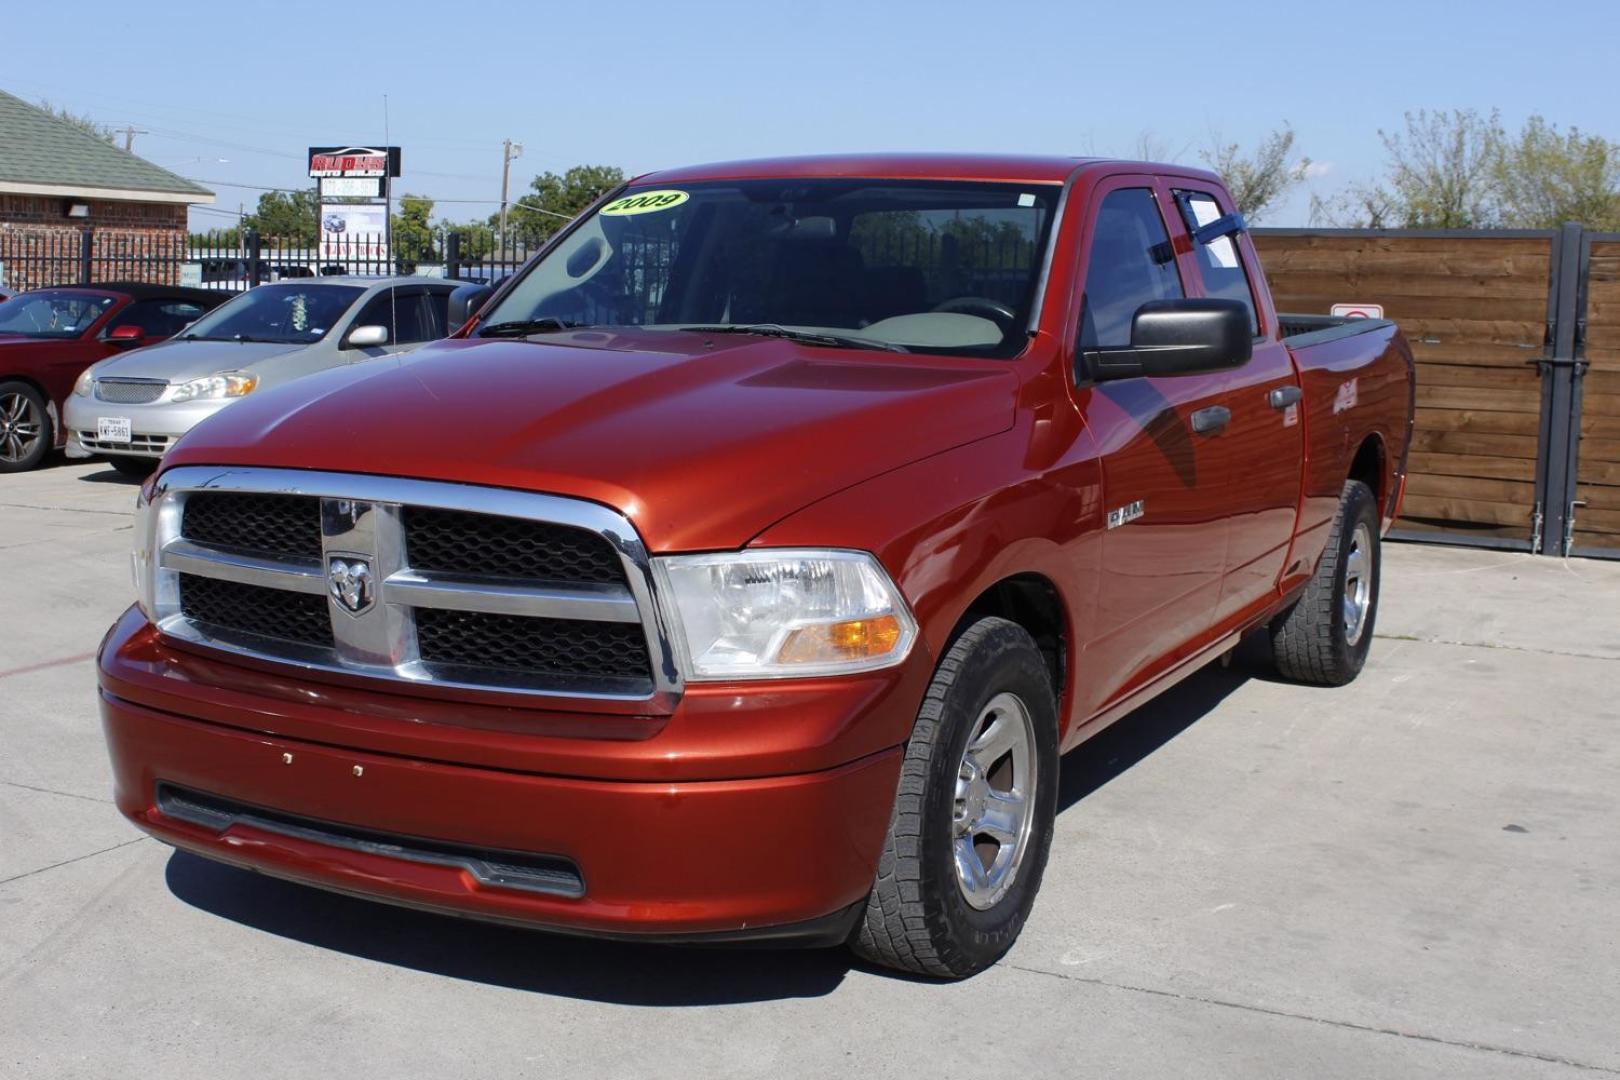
{"x":411,"y":581}
{"x":143,"y":445}
{"x":273,"y":614}
{"x":566,"y":647}
{"x":281,"y":526}
{"x":457,"y":542}
{"x":130,"y":391}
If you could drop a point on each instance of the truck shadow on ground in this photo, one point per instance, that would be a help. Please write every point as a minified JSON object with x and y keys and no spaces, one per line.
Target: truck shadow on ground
{"x":616,"y":972}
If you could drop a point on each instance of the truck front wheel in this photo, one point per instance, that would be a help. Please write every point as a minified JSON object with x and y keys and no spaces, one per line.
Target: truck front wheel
{"x":1323,"y":639}
{"x":972,"y":821}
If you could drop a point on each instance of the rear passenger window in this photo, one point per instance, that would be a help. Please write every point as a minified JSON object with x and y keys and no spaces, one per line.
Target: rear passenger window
{"x":437,"y":303}
{"x":157,"y":318}
{"x":405,"y":315}
{"x":1219,"y":263}
{"x":1131,"y":264}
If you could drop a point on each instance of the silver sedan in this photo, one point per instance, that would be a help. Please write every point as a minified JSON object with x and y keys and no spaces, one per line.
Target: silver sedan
{"x":131,"y":408}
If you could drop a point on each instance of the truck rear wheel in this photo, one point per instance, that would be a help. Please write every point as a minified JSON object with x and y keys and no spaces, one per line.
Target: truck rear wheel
{"x":972,"y":821}
{"x":1323,"y":639}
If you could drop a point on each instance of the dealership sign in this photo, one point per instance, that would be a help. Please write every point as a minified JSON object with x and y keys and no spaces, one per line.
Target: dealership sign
{"x":344,"y":161}
{"x":351,"y":187}
{"x":354,"y":232}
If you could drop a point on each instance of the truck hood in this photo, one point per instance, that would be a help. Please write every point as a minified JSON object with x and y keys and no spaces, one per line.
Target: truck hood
{"x":700,"y":442}
{"x":181,"y":361}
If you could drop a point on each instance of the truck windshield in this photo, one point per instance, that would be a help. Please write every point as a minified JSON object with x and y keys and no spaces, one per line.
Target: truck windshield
{"x":921,"y":266}
{"x":285,"y":314}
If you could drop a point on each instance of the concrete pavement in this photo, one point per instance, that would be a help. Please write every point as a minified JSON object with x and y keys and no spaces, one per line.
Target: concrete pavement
{"x":1418,"y":875}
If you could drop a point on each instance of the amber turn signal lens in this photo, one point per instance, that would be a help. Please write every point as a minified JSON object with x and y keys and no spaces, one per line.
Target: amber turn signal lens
{"x":856,"y":639}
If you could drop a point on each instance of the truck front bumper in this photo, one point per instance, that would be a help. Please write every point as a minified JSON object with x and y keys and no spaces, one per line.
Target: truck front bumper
{"x":782,"y":858}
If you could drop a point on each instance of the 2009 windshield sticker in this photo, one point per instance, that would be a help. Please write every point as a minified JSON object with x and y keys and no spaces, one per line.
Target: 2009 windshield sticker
{"x":644,"y":202}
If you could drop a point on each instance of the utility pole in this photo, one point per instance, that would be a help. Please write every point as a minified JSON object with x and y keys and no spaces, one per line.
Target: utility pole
{"x":130,"y":131}
{"x":512,"y":150}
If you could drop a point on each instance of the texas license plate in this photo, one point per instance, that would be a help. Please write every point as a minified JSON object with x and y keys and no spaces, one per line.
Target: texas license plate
{"x":113,"y":429}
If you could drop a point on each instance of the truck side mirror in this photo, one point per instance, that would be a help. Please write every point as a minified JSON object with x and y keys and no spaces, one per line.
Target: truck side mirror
{"x":1178,"y":337}
{"x":466,"y":302}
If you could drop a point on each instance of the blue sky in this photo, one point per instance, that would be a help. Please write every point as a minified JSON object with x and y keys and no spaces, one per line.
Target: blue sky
{"x":232,"y":94}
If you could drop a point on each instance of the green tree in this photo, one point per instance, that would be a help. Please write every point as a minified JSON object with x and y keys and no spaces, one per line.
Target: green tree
{"x":1440,"y":173}
{"x":292,"y":217}
{"x":1258,"y":180}
{"x":413,"y":236}
{"x":83,"y":123}
{"x":1544,"y":177}
{"x":553,"y":200}
{"x":477,"y":238}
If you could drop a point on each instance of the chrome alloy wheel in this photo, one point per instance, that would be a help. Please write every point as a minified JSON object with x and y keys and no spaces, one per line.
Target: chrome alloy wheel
{"x":995,"y":799}
{"x":1357,"y":583}
{"x":21,"y":427}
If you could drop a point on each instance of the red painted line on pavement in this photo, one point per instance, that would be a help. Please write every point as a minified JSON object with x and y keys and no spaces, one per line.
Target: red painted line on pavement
{"x":41,"y":666}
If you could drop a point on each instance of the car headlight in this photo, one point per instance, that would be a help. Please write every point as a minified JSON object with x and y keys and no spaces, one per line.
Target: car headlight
{"x":227,"y":384}
{"x":777,"y":614}
{"x":81,"y":386}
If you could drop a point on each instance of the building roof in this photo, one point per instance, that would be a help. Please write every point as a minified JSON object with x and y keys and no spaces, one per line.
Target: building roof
{"x":41,"y":154}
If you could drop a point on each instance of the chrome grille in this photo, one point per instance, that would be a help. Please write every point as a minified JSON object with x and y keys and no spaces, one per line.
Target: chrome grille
{"x":409,"y":581}
{"x":144,"y":445}
{"x":130,"y":391}
{"x":280,"y":526}
{"x":567,"y":648}
{"x":456,"y":542}
{"x":255,"y":610}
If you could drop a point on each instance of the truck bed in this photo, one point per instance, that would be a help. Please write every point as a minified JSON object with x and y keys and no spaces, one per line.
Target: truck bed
{"x":1301,"y":330}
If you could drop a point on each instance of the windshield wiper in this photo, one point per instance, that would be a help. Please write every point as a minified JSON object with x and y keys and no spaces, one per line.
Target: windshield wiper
{"x":524,"y":327}
{"x":808,"y":337}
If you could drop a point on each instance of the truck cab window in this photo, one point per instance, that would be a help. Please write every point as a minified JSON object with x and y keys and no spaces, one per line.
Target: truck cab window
{"x":1131,"y":263}
{"x":1219,"y":263}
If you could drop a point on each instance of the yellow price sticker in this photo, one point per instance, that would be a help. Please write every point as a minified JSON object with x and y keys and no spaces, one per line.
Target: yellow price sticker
{"x":644,"y":202}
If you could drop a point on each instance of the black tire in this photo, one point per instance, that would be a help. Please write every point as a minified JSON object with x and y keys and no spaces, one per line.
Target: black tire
{"x":136,"y":468}
{"x":1314,"y":641}
{"x":26,"y":432}
{"x":917,"y":917}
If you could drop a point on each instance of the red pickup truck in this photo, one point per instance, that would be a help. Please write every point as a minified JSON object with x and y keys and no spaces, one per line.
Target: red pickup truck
{"x":742,"y":567}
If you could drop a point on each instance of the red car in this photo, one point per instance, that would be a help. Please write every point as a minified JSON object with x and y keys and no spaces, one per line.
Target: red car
{"x":48,"y":337}
{"x":741,"y":570}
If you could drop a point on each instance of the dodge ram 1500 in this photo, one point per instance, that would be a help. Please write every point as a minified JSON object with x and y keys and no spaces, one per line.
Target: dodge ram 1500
{"x":742,"y":566}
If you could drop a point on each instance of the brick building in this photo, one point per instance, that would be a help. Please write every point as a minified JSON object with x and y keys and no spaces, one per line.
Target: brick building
{"x":66,"y":195}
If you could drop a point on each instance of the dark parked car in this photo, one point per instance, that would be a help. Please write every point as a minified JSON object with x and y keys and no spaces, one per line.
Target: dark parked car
{"x":48,"y":337}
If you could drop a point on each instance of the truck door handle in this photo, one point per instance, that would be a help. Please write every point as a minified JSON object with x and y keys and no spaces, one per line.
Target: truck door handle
{"x":1211,"y":420}
{"x":1284,"y":396}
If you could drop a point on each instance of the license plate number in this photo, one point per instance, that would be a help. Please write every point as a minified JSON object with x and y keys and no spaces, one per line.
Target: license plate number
{"x":113,"y":429}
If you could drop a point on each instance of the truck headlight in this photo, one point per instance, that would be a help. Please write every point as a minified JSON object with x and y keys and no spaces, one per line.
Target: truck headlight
{"x":81,"y":385}
{"x":777,"y":614}
{"x":157,"y":521}
{"x":227,"y":384}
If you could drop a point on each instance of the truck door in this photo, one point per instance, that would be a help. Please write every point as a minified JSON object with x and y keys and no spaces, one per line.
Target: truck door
{"x":1164,"y":467}
{"x":1265,"y":435}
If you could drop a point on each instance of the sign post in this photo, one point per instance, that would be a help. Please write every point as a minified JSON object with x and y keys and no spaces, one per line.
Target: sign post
{"x":355,"y":173}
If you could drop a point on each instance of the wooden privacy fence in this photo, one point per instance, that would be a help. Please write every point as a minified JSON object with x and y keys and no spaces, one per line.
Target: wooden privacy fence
{"x":1508,"y":451}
